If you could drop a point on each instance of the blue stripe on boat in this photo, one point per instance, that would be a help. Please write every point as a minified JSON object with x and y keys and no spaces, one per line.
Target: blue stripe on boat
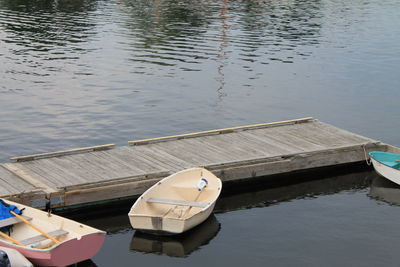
{"x":386,"y":158}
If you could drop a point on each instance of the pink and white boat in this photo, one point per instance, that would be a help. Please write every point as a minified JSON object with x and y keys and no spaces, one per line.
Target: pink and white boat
{"x":47,"y":239}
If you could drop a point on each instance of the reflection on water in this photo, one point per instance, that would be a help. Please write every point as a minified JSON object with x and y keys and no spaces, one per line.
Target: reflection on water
{"x":41,"y":38}
{"x":170,"y":33}
{"x":80,"y":73}
{"x":87,"y":263}
{"x":39,"y":35}
{"x":237,"y":196}
{"x":240,"y":202}
{"x":111,"y":222}
{"x":385,"y":190}
{"x":88,"y":72}
{"x":288,"y":221}
{"x":176,"y":246}
{"x":257,"y":196}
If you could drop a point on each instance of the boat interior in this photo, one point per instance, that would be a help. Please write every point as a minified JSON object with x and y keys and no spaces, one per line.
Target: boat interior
{"x":180,"y":199}
{"x":388,"y":159}
{"x":42,"y":230}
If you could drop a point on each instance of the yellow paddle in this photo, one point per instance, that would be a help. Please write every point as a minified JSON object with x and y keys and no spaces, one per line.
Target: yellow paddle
{"x":11,"y":239}
{"x":34,"y":227}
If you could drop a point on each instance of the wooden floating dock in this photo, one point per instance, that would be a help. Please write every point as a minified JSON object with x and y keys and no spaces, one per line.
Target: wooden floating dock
{"x":101,"y":173}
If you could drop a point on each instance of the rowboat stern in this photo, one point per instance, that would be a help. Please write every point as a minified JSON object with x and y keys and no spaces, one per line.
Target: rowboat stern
{"x":168,"y":225}
{"x":66,"y":253}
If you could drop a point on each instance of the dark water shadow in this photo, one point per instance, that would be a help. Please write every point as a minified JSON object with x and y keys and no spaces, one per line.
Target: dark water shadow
{"x":45,"y":26}
{"x":258,"y":192}
{"x":282,"y":188}
{"x":86,"y":263}
{"x":384,"y":190}
{"x":266,"y":191}
{"x":176,"y":246}
{"x":113,"y":221}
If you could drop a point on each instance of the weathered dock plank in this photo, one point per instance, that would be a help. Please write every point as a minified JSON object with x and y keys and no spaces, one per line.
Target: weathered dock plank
{"x":81,"y":176}
{"x":11,"y":183}
{"x":63,"y":152}
{"x":152,"y":155}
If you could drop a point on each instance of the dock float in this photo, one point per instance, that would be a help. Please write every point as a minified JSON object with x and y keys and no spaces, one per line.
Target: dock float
{"x":102,"y":173}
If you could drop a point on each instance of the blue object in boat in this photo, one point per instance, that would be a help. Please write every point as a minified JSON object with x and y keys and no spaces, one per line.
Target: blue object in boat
{"x":5,"y":213}
{"x":386,"y":158}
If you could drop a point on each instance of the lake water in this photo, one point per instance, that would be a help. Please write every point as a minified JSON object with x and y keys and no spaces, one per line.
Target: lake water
{"x":346,"y":218}
{"x":77,"y":73}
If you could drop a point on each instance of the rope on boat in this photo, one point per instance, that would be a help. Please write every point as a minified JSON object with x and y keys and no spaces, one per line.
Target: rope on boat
{"x":367,"y":159}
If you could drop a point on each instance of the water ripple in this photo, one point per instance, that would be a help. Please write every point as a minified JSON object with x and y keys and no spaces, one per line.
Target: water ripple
{"x":81,"y":61}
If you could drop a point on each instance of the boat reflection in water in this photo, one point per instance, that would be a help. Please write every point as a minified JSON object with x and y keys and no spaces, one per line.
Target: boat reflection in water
{"x":178,"y":245}
{"x":236,"y":196}
{"x":385,"y":190}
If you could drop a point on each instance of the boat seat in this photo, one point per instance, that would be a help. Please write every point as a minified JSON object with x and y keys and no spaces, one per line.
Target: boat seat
{"x":38,"y":238}
{"x":392,"y":164}
{"x":396,"y":166}
{"x":12,"y":220}
{"x":389,"y":163}
{"x":177,"y":202}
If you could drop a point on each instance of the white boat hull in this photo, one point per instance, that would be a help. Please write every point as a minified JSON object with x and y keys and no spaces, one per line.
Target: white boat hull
{"x":386,"y":171}
{"x":16,"y":258}
{"x":168,"y":225}
{"x":174,"y":205}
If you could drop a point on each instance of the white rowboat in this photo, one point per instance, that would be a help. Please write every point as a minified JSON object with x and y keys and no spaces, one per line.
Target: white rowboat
{"x":11,"y":257}
{"x":176,"y":203}
{"x":387,"y":165}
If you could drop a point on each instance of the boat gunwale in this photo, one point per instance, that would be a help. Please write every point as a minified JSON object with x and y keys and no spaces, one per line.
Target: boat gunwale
{"x":91,"y":230}
{"x":213,"y":200}
{"x":381,"y":162}
{"x":49,"y":249}
{"x":206,"y":209}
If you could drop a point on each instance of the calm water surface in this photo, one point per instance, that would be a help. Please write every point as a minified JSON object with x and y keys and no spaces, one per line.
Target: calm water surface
{"x":79,"y":73}
{"x":347,"y":219}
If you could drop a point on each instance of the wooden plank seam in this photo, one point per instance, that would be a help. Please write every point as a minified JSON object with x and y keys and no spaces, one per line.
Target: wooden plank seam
{"x":218,"y":131}
{"x":62,"y":152}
